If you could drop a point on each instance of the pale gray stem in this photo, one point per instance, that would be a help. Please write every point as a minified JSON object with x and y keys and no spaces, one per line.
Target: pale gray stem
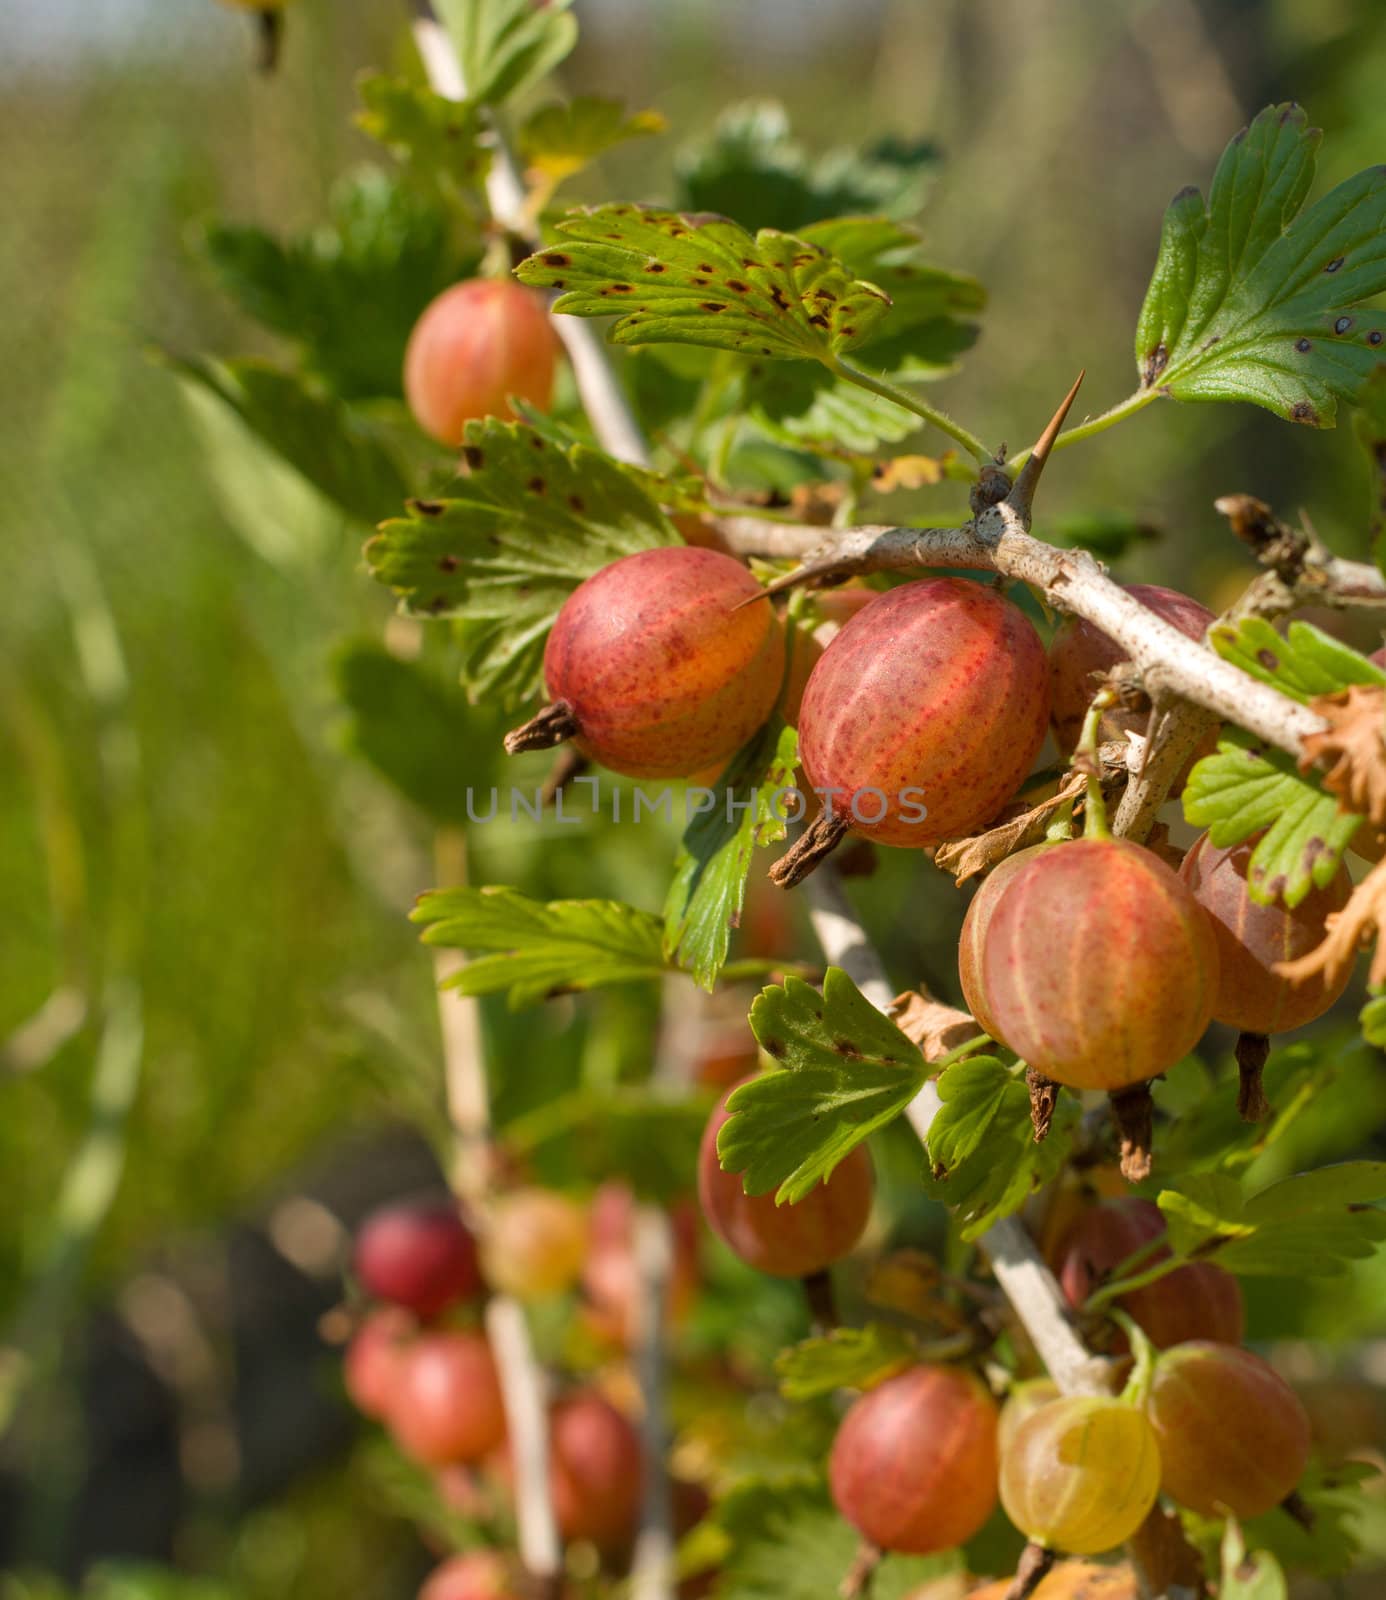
{"x":1176,"y":731}
{"x":1027,"y":1283}
{"x":652,"y":1567}
{"x":524,"y":1388}
{"x":602,"y":397}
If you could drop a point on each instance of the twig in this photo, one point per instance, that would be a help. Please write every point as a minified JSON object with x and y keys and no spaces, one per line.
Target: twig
{"x":1027,"y":1283}
{"x":1176,"y":731}
{"x":602,"y":397}
{"x":652,"y":1566}
{"x":524,"y":1389}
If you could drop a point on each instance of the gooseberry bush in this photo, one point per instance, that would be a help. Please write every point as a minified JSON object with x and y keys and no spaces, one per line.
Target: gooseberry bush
{"x":651,"y":568}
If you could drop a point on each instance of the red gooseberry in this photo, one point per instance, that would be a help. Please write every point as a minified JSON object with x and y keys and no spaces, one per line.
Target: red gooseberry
{"x":474,"y":346}
{"x":1100,"y":967}
{"x":972,"y":940}
{"x":476,"y":1575}
{"x":594,"y":1469}
{"x":913,"y":1466}
{"x":447,"y":1403}
{"x":656,"y":666}
{"x":371,"y":1365}
{"x":417,"y":1255}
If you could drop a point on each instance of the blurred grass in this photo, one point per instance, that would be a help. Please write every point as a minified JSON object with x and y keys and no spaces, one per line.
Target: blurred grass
{"x":184,"y":845}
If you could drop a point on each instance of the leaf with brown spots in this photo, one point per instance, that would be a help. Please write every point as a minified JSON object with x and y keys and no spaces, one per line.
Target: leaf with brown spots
{"x":1302,"y":663}
{"x":1353,"y":742}
{"x":510,"y":543}
{"x":789,"y":1129}
{"x":681,"y":279}
{"x":1245,"y":790}
{"x":1257,"y":297}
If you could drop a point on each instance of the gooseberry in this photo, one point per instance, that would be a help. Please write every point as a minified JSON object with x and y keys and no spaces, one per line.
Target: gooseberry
{"x":1081,"y":1474}
{"x":535,"y":1243}
{"x":474,"y":346}
{"x":789,"y":1241}
{"x":1233,"y":1435}
{"x":1099,"y":967}
{"x":1251,"y":938}
{"x":475,"y":1575}
{"x":656,"y":666}
{"x":925,"y":712}
{"x":447,"y":1403}
{"x":417,"y":1255}
{"x":1197,"y":1301}
{"x":972,"y":940}
{"x":371,"y":1365}
{"x":913,"y":1466}
{"x":1023,"y":1400}
{"x":594,"y":1469}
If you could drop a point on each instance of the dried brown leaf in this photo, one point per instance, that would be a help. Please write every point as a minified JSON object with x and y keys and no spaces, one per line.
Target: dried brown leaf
{"x":966,"y":858}
{"x":1354,"y":742}
{"x":936,"y":1028}
{"x":1348,"y":931}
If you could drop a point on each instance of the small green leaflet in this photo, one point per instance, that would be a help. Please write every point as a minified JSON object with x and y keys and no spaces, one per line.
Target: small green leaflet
{"x":752,"y":169}
{"x":848,"y":1071}
{"x":982,"y":1151}
{"x":339,"y":451}
{"x":1302,"y":663}
{"x":557,"y":141}
{"x":1372,"y":1021}
{"x":414,"y":728}
{"x":1253,"y":295}
{"x":503,"y":45}
{"x":1310,"y":1225}
{"x":785,"y":1541}
{"x":438,"y":139}
{"x":847,"y":1358}
{"x":714,"y":860}
{"x":1247,"y":787}
{"x":1369,"y":424}
{"x":633,"y":1131}
{"x":705,"y":281}
{"x":509,"y":545}
{"x":535,"y":949}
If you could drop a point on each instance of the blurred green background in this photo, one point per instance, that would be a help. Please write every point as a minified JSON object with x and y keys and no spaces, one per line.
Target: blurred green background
{"x":216,"y":1026}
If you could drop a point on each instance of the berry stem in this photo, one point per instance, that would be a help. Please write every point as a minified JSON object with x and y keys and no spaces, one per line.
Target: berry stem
{"x":544,"y":730}
{"x":1137,"y":1388}
{"x":1031,"y":1571}
{"x":1103,"y":1297}
{"x":1252,"y":1051}
{"x":815,"y":844}
{"x":1087,"y":757}
{"x":822,"y":1301}
{"x":911,"y":402}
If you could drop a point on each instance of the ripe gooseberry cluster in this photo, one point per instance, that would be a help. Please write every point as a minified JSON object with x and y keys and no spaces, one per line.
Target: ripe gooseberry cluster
{"x":420,"y":1362}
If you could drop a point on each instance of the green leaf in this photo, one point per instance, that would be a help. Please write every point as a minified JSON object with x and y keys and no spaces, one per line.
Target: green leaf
{"x":922,"y":339}
{"x":1339,"y":1498}
{"x":1369,"y":425}
{"x":505,"y":45}
{"x":785,"y":1541}
{"x":1311,"y":1225}
{"x":1253,"y":295}
{"x":439,"y":140}
{"x":1372,"y":1021}
{"x":340,"y":452}
{"x":557,"y":141}
{"x":848,"y":1071}
{"x":750,"y":168}
{"x":1248,"y":1577}
{"x":537,"y":949}
{"x":528,"y":524}
{"x":414,"y":728}
{"x":714,"y":860}
{"x":847,"y":1358}
{"x":1247,"y":788}
{"x":982,"y":1151}
{"x":705,"y":281}
{"x":348,"y":295}
{"x":1302,"y":663}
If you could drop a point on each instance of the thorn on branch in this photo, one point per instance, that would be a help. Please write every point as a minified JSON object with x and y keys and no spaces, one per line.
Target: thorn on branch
{"x":1031,"y":1570}
{"x":1295,"y":1505}
{"x":813,"y":846}
{"x":1133,"y":1111}
{"x":1251,"y":1052}
{"x":1022,"y":496}
{"x":1044,"y":1097}
{"x":549,"y":727}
